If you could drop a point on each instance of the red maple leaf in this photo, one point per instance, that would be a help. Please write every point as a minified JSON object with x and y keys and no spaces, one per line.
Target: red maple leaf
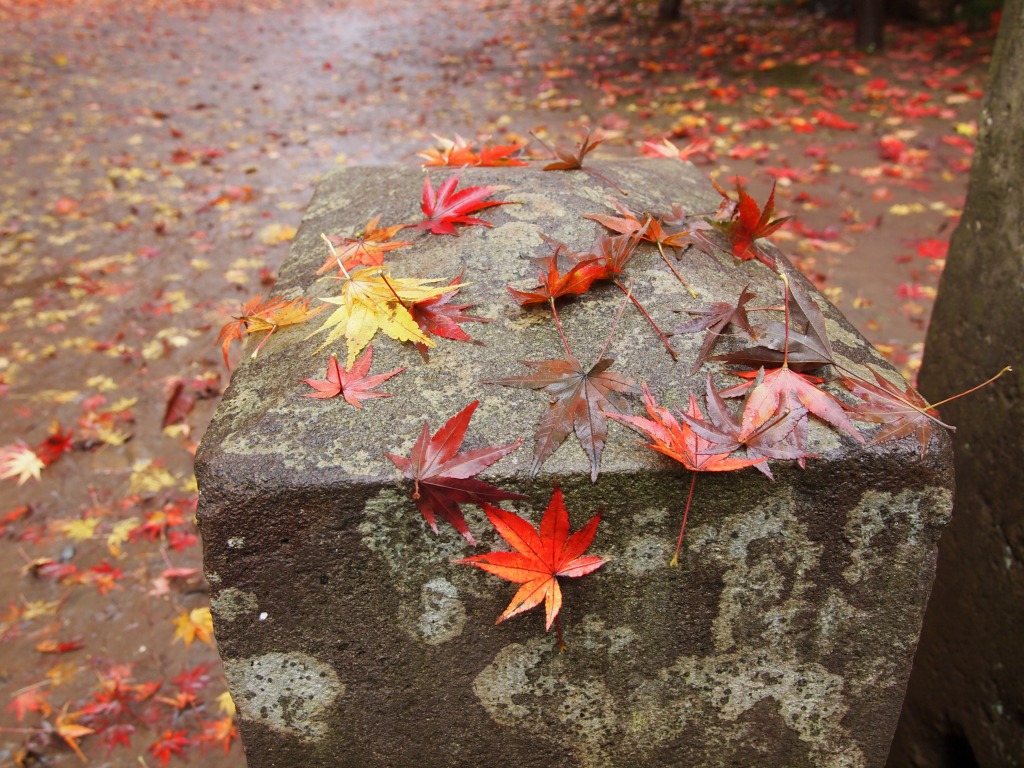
{"x":366,"y":248}
{"x":447,"y":207}
{"x":540,"y":557}
{"x":57,"y":443}
{"x":443,"y":478}
{"x":351,"y":383}
{"x":750,"y":223}
{"x":682,"y":443}
{"x":170,"y":743}
{"x":556,"y":281}
{"x":579,"y":402}
{"x":438,"y":317}
{"x":30,"y":699}
{"x":459,"y":152}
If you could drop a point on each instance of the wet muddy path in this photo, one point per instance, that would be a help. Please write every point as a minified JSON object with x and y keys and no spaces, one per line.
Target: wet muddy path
{"x":155,"y":160}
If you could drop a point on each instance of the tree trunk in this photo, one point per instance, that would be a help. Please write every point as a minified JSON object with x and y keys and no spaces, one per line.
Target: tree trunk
{"x":669,"y":10}
{"x":870,"y":32}
{"x":966,"y":692}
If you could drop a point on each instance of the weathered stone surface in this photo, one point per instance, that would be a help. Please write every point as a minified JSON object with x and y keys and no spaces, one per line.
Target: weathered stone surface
{"x":351,"y":639}
{"x":965,"y":703}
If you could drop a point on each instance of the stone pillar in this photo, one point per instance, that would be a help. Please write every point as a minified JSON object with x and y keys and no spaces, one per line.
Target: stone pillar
{"x":966,"y":697}
{"x":351,"y":638}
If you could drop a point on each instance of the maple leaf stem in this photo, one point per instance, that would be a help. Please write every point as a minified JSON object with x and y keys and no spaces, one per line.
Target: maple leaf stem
{"x":618,"y":317}
{"x":392,"y":289}
{"x":975,"y":388}
{"x":649,"y":319}
{"x":558,"y":324}
{"x":675,"y":272}
{"x":605,"y":179}
{"x":682,"y":530}
{"x":919,"y":409}
{"x":558,"y":629}
{"x":334,"y":253}
{"x":785,"y":306}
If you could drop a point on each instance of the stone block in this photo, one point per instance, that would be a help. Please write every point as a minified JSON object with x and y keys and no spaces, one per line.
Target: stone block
{"x":349,"y":636}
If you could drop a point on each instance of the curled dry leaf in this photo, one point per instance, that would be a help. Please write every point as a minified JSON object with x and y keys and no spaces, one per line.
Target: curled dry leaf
{"x":579,"y":402}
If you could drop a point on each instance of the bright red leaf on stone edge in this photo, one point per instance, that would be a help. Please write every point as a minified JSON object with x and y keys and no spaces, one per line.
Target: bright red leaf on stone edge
{"x":352,"y":383}
{"x":447,"y":207}
{"x":680,"y":442}
{"x":443,"y":478}
{"x":541,"y":556}
{"x":750,"y":223}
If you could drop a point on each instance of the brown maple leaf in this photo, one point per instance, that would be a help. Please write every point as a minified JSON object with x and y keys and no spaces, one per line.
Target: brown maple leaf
{"x":901,"y":413}
{"x":572,"y":159}
{"x":540,"y":557}
{"x":681,"y":443}
{"x":579,"y":401}
{"x":443,"y":478}
{"x":714,"y":319}
{"x":801,"y":340}
{"x":366,"y":248}
{"x":352,"y":383}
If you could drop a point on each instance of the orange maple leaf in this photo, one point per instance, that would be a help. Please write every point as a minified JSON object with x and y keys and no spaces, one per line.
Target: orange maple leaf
{"x":541,"y":556}
{"x":366,"y":248}
{"x":259,"y":315}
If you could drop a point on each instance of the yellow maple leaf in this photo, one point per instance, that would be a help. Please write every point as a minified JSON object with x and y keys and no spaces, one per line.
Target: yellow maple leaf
{"x":19,"y":461}
{"x":226,"y":704}
{"x":119,"y":535}
{"x":149,"y":477}
{"x":196,"y":624}
{"x":40,"y":608}
{"x":370,"y":300}
{"x":77,"y":530}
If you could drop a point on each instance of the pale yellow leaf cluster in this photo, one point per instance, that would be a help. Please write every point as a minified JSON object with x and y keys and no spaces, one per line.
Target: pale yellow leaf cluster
{"x":371,"y":300}
{"x":196,"y":624}
{"x":19,"y":461}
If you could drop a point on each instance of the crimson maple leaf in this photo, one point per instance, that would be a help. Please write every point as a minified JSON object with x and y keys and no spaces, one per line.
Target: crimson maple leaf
{"x":682,"y":443}
{"x":367,"y":247}
{"x":437,"y":316}
{"x":579,"y":402}
{"x":750,"y":223}
{"x":443,"y":478}
{"x":540,"y":557}
{"x":352,"y":383}
{"x":447,"y":207}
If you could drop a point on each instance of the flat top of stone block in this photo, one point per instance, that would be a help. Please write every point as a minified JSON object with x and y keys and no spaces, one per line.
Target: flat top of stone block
{"x":264,"y":422}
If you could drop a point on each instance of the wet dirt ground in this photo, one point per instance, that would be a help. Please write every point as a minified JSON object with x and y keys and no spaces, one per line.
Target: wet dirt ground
{"x":155,"y":160}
